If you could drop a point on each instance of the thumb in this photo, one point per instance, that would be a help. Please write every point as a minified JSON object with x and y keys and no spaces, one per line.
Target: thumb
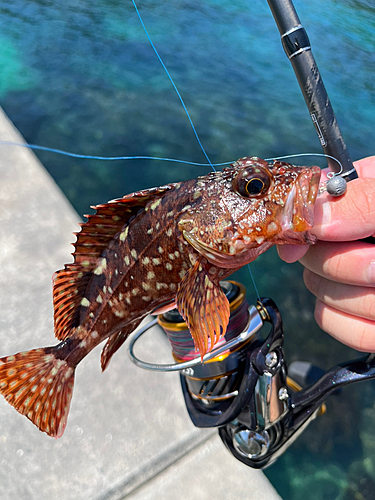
{"x":350,"y":217}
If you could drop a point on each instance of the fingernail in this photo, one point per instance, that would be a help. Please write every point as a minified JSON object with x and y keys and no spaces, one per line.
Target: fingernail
{"x":326,"y":215}
{"x":371,"y":272}
{"x":322,"y":211}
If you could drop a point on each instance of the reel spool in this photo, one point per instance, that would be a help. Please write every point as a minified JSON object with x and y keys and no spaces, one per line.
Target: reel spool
{"x":216,"y":380}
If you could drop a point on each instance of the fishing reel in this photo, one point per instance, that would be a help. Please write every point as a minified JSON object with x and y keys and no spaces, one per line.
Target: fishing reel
{"x":242,"y":386}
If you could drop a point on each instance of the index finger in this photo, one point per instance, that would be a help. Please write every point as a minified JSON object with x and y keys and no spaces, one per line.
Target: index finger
{"x":352,"y":216}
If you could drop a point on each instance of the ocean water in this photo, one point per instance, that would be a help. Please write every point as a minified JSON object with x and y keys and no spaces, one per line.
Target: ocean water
{"x":81,"y":76}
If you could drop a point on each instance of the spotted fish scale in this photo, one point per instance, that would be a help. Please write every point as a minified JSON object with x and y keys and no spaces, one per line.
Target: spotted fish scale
{"x":152,"y":251}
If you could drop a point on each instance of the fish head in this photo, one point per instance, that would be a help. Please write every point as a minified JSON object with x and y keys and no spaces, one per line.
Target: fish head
{"x":245,"y":209}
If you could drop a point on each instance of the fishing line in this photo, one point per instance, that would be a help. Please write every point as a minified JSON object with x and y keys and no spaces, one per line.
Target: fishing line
{"x":140,"y":157}
{"x":174,"y":86}
{"x":110,"y":158}
{"x":310,"y":154}
{"x":253,"y":280}
{"x":186,"y":111}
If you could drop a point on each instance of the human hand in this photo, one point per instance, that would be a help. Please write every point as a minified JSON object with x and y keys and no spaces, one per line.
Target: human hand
{"x":339,"y":270}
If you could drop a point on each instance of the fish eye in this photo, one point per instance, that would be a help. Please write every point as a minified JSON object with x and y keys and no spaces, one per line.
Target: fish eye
{"x":252,"y":182}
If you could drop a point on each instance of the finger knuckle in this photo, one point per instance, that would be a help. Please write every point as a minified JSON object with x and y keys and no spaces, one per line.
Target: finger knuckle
{"x":369,"y":305}
{"x":362,"y":201}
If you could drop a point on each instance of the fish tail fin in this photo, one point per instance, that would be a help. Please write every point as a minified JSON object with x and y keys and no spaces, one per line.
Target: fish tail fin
{"x":39,"y":385}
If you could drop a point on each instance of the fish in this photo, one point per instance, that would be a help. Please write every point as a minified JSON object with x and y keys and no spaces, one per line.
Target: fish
{"x":149,"y":252}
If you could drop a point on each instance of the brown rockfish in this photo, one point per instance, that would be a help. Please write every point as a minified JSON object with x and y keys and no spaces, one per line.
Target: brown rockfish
{"x":151,"y":251}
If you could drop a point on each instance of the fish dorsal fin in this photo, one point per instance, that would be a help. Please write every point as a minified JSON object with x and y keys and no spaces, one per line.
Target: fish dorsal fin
{"x":69,"y":284}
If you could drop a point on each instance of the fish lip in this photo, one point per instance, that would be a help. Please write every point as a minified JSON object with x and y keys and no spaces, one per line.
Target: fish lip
{"x":299,"y":206}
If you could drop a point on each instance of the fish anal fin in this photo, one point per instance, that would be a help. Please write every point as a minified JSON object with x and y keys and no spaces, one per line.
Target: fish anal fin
{"x":39,"y":386}
{"x":114,"y":343}
{"x":69,"y":284}
{"x":204,"y":307}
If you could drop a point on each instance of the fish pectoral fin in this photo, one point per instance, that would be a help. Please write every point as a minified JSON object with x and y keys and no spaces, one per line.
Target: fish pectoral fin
{"x":39,"y":385}
{"x":114,"y":343}
{"x":204,"y":307}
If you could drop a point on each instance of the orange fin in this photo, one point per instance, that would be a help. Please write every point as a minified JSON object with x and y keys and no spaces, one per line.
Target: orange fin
{"x":164,"y":308}
{"x":69,"y":284}
{"x":114,"y":343}
{"x":204,"y":307}
{"x":39,"y":386}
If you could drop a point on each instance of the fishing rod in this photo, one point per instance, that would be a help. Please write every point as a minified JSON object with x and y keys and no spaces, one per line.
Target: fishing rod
{"x":297,"y":47}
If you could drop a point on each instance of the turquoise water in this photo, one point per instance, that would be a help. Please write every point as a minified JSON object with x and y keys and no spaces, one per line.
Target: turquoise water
{"x":81,"y":76}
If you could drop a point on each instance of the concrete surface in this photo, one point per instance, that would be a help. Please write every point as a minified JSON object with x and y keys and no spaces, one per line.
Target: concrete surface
{"x":128,"y":433}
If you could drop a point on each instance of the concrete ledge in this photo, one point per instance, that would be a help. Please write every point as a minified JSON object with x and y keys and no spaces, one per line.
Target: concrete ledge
{"x":208,"y":471}
{"x":128,"y":433}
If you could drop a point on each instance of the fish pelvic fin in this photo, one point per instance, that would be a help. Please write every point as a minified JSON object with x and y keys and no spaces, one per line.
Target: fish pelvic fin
{"x":114,"y":343}
{"x":204,"y":307}
{"x":39,"y":385}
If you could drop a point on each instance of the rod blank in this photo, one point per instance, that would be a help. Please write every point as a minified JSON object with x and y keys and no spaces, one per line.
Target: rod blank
{"x":297,"y":47}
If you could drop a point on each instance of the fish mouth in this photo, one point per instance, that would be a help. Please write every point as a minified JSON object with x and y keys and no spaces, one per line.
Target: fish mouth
{"x":299,"y":206}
